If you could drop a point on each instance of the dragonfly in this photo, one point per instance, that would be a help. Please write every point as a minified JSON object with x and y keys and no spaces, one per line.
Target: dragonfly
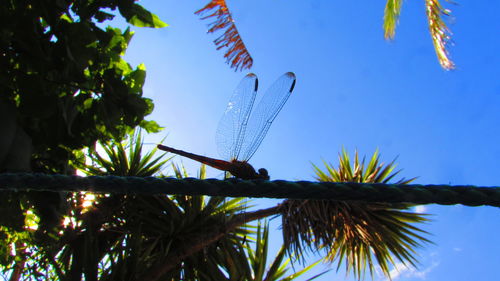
{"x":241,"y":130}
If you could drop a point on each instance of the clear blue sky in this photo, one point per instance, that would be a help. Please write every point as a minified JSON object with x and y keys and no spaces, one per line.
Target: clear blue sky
{"x":356,"y":90}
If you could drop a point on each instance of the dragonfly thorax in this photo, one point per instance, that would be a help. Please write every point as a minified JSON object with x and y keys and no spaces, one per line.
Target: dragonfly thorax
{"x":243,"y":170}
{"x":264,"y":174}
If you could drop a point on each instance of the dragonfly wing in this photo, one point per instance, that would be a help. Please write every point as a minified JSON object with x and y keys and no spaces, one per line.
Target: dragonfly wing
{"x":265,"y":112}
{"x":233,"y":124}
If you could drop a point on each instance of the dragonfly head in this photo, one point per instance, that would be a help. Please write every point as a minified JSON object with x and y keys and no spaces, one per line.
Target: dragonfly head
{"x":263,"y":174}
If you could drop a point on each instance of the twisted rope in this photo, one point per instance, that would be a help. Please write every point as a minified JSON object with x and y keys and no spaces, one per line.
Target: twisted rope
{"x":390,"y":193}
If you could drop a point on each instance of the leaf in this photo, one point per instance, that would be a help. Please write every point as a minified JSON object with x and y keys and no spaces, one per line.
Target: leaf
{"x":138,"y":76}
{"x":140,"y":17}
{"x":391,"y":17}
{"x":440,"y":33}
{"x":87,"y":104}
{"x":304,"y":270}
{"x":237,"y":54}
{"x":150,"y":126}
{"x":101,"y":16}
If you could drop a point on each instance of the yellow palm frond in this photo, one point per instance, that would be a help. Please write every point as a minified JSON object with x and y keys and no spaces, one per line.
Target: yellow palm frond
{"x":439,"y":31}
{"x":391,"y":17}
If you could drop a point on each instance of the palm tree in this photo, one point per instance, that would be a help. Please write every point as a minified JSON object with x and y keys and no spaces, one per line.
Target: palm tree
{"x":238,"y":56}
{"x":177,"y":237}
{"x":356,"y":233}
{"x":346,"y":231}
{"x":132,"y":237}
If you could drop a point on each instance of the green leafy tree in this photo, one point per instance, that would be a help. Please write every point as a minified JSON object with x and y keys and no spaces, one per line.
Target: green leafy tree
{"x":63,"y":86}
{"x":64,"y":79}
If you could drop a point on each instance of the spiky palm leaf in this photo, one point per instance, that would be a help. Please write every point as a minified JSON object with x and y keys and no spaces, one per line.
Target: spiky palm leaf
{"x":239,"y":260}
{"x":123,"y":159}
{"x":120,"y":236}
{"x":162,"y":229}
{"x":278,"y":267}
{"x":185,"y":221}
{"x":391,"y":17}
{"x":439,"y":31}
{"x":249,"y":261}
{"x":359,"y":234}
{"x":239,"y":57}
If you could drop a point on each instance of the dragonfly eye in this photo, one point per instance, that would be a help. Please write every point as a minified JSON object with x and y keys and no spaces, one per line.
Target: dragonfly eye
{"x":263,"y":173}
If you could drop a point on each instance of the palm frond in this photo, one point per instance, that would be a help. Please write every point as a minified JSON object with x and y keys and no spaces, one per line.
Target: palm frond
{"x":250,"y":260}
{"x":391,"y":17}
{"x":440,"y":33}
{"x":124,"y":158}
{"x":237,"y":54}
{"x":179,"y":172}
{"x":358,"y":234}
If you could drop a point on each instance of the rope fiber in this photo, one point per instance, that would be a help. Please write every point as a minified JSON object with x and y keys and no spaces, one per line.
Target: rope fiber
{"x":389,"y":193}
